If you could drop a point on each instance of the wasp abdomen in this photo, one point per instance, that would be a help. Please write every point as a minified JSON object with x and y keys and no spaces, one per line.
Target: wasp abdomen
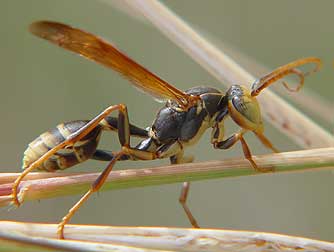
{"x":65,"y":158}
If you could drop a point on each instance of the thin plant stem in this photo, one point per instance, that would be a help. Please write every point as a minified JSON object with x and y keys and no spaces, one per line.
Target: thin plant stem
{"x":18,"y":241}
{"x":136,"y":239}
{"x":69,"y":184}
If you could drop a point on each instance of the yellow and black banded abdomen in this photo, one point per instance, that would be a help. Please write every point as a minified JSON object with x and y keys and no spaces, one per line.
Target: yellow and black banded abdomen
{"x":79,"y":152}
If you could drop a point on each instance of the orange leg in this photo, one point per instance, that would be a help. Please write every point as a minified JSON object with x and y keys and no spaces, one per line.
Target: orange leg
{"x":72,"y":139}
{"x":124,"y":138}
{"x":183,"y":202}
{"x":99,"y":182}
{"x":179,"y":159}
{"x":229,"y":142}
{"x":248,"y":156}
{"x":265,"y":141}
{"x":95,"y":187}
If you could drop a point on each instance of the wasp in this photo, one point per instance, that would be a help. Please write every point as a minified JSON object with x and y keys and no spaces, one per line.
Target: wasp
{"x":180,"y":123}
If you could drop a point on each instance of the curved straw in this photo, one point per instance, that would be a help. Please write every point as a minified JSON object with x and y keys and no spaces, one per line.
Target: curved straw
{"x":283,"y":71}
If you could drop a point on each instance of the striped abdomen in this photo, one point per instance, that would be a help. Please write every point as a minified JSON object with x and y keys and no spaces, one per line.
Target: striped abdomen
{"x":81,"y":151}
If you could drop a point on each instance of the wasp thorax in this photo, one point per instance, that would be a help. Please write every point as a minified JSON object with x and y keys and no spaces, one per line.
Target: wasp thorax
{"x":243,"y":108}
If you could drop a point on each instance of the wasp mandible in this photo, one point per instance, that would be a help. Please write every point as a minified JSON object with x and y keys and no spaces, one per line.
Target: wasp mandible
{"x":178,"y":124}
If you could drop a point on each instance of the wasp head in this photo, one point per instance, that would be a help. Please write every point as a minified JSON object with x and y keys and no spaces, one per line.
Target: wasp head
{"x":242,"y":104}
{"x":244,"y":108}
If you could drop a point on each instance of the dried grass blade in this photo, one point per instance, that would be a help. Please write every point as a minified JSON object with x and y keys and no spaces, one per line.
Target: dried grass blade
{"x":175,"y":239}
{"x":70,"y":184}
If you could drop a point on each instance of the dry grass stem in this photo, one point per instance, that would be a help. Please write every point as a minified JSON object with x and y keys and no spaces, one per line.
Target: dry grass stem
{"x":284,"y":117}
{"x":167,"y":239}
{"x":16,"y":240}
{"x":41,"y":185}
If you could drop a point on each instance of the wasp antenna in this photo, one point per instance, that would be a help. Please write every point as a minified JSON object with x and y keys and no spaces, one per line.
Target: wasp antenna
{"x":283,"y":71}
{"x":301,"y":76}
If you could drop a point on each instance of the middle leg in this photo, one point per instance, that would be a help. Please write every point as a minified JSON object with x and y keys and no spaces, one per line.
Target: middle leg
{"x":180,"y":159}
{"x":174,"y":150}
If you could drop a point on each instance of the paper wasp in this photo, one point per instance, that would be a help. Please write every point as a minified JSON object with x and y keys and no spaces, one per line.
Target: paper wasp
{"x":180,"y":122}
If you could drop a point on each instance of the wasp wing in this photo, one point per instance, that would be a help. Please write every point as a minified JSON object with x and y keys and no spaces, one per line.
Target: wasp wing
{"x":96,"y":49}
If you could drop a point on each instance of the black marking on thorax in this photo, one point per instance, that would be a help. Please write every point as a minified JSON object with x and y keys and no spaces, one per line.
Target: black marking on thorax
{"x":171,"y":123}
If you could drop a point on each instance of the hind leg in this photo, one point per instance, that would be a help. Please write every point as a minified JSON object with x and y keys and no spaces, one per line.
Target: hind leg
{"x":124,"y":133}
{"x":69,"y":141}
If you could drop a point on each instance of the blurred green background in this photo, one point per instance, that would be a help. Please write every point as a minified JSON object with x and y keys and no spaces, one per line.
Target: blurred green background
{"x":42,"y":85}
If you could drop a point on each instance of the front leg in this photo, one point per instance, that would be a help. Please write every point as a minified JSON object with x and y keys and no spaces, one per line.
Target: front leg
{"x":217,"y":134}
{"x":229,"y":142}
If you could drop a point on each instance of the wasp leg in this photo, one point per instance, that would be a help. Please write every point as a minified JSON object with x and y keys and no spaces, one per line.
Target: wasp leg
{"x":95,"y":187}
{"x":71,"y":140}
{"x":265,"y":141}
{"x":179,"y":159}
{"x":183,"y":201}
{"x":111,"y":123}
{"x":229,"y":142}
{"x":248,"y":156}
{"x":126,"y":151}
{"x":103,"y":155}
